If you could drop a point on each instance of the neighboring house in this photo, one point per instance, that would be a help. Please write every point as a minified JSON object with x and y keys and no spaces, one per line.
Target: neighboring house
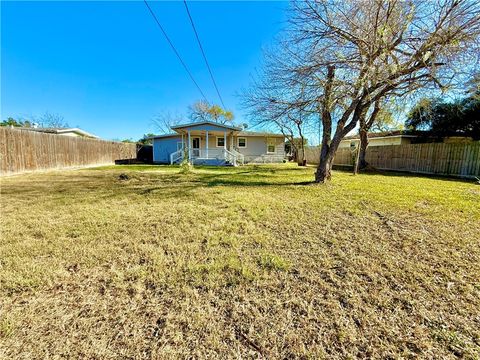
{"x":212,"y":143}
{"x":75,"y":132}
{"x":401,"y":137}
{"x":397,"y":137}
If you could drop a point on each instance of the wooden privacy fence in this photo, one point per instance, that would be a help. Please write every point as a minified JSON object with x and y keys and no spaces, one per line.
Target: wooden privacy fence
{"x":23,"y":151}
{"x":434,"y":158}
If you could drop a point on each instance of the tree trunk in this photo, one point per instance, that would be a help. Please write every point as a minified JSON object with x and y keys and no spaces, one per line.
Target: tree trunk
{"x":303,"y":160}
{"x":356,"y":160}
{"x":365,"y":127}
{"x":363,"y":148}
{"x":324,"y":169}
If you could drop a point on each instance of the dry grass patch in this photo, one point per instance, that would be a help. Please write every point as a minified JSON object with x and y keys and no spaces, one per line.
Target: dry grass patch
{"x":238,"y":262}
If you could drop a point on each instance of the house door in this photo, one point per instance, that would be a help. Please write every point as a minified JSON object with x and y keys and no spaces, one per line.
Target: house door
{"x":196,"y":147}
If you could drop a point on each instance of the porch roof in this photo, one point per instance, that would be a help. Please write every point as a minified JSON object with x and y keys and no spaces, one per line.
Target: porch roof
{"x":196,"y":125}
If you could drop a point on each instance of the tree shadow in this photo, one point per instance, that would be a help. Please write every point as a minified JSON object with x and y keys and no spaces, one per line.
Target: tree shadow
{"x":255,"y":183}
{"x":252,"y":177}
{"x":405,"y":174}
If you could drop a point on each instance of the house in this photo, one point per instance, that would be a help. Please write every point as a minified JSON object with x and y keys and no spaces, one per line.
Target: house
{"x":211,"y":143}
{"x":74,"y":132}
{"x":400,"y":137}
{"x":396,"y":137}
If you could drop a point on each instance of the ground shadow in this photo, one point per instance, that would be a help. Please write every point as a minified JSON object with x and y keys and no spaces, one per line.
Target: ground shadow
{"x":405,"y":174}
{"x":211,"y":176}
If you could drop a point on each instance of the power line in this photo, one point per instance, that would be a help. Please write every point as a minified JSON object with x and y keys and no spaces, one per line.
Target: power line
{"x":175,"y":50}
{"x":203,"y":54}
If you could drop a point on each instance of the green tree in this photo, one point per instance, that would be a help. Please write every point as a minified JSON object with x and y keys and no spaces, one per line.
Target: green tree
{"x":146,"y":139}
{"x":12,"y":122}
{"x":203,"y":111}
{"x":439,"y":118}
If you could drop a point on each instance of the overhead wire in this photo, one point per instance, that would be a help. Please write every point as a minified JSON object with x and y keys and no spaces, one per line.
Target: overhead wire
{"x":203,"y":53}
{"x":175,"y":50}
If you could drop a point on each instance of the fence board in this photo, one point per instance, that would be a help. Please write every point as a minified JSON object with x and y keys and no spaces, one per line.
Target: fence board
{"x":23,"y":150}
{"x":433,"y":158}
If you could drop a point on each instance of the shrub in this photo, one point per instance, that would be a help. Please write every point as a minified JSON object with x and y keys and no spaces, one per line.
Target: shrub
{"x":185,"y":166}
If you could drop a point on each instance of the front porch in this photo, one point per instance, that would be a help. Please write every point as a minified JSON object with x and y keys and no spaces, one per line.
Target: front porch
{"x":206,"y":147}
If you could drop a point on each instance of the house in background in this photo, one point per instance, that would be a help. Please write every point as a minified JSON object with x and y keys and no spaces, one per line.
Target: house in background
{"x":211,"y":143}
{"x":74,"y":132}
{"x":400,"y":137}
{"x":396,"y":137}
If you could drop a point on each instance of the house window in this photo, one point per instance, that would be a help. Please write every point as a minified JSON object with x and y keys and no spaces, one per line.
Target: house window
{"x":270,"y":146}
{"x":242,"y":142}
{"x":220,"y":141}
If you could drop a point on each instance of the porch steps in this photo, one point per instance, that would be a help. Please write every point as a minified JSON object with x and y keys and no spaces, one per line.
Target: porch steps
{"x":209,"y":162}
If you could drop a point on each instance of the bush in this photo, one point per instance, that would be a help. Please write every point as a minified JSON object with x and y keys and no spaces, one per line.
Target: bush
{"x":185,"y":166}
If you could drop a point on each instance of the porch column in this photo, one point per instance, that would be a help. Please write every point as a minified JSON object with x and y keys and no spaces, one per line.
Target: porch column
{"x":206,"y":146}
{"x":225,"y":140}
{"x":231,"y":141}
{"x":189,"y":147}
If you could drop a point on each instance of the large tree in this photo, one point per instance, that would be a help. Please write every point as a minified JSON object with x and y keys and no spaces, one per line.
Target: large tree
{"x":339,"y":58}
{"x":441,"y":118}
{"x":203,"y":111}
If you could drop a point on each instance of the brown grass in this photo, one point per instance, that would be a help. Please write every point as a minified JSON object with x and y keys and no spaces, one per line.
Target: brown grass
{"x":238,"y":262}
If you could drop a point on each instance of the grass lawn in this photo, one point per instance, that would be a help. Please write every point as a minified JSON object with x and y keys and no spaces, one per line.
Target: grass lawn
{"x":240,"y":262}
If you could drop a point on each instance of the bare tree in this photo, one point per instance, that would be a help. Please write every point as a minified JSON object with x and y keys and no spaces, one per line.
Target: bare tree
{"x":198,"y":111}
{"x":292,"y":123}
{"x":163,"y":121}
{"x":50,"y":120}
{"x":276,"y":103}
{"x":203,"y":111}
{"x":341,"y":57}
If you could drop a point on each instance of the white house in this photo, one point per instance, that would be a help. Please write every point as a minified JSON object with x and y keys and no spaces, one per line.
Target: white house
{"x":402,"y":137}
{"x":211,"y":143}
{"x":395,"y":137}
{"x":74,"y":132}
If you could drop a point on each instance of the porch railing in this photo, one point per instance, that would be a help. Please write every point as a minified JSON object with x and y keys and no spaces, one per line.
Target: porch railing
{"x":239,"y":156}
{"x":214,"y":153}
{"x":232,"y":159}
{"x":176,"y":156}
{"x":231,"y":156}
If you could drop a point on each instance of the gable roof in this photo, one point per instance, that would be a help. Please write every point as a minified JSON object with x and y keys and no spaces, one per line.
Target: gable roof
{"x":164,"y":136}
{"x":213,"y":123}
{"x":61,"y":131}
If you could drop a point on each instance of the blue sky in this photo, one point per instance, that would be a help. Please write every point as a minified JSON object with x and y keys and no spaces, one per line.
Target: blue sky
{"x":106,"y":67}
